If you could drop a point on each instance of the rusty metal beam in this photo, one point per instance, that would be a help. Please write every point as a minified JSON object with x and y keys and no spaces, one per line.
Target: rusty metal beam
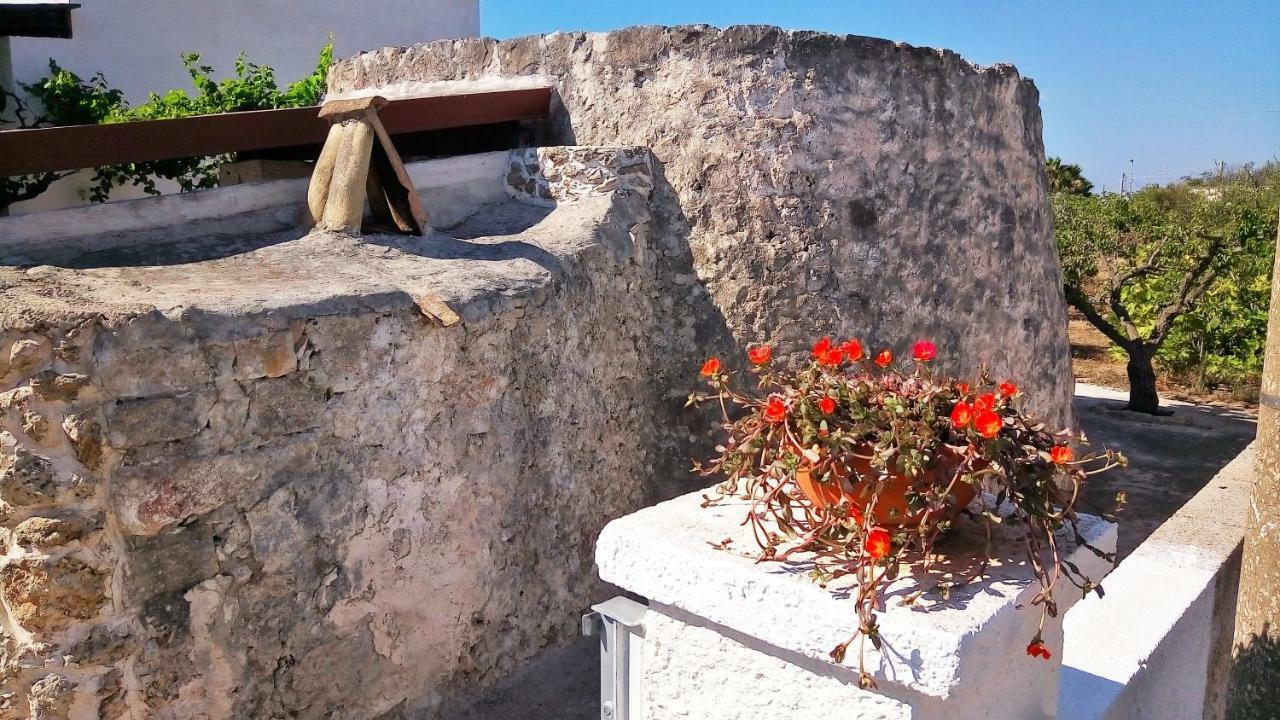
{"x":84,"y":146}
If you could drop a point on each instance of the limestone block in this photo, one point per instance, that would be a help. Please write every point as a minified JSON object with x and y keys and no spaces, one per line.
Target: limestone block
{"x":271,"y":355}
{"x":168,"y":562}
{"x":56,"y":528}
{"x":29,"y":478}
{"x":28,"y":355}
{"x":280,"y":406}
{"x":155,"y":490}
{"x":54,"y":386}
{"x":136,"y":422}
{"x":45,"y":595}
{"x":130,"y":371}
{"x":50,"y":698}
{"x":85,"y":435}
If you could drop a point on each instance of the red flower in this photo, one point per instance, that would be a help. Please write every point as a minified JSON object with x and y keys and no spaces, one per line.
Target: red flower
{"x":1039,"y":649}
{"x":831,"y":357}
{"x":1008,"y":389}
{"x":962,"y":388}
{"x":884,"y":359}
{"x":878,"y":543}
{"x":821,"y":348}
{"x":961,"y":415}
{"x":827,"y":405}
{"x":924,"y":351}
{"x":987,"y":423}
{"x":1061,"y":454}
{"x":760,"y":354}
{"x":711,"y":366}
{"x":986,"y":401}
{"x":852,"y":349}
{"x":775,"y":410}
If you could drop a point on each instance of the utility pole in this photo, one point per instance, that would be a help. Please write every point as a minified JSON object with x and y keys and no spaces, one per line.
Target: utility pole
{"x":1255,"y":663}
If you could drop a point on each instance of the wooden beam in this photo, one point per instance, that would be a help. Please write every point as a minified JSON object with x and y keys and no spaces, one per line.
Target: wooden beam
{"x":84,"y":146}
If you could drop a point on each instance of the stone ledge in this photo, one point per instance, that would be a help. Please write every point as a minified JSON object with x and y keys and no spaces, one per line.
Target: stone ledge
{"x":1154,"y":646}
{"x":665,"y":553}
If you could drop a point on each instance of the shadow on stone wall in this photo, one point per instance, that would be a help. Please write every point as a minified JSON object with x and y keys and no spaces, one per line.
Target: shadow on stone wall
{"x":1255,"y":678}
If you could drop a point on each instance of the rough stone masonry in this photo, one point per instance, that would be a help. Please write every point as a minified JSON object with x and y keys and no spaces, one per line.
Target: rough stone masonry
{"x":833,"y":184}
{"x":258,"y":476}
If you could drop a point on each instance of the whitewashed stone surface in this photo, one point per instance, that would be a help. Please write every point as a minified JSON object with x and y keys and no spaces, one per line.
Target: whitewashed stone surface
{"x":946,"y":659}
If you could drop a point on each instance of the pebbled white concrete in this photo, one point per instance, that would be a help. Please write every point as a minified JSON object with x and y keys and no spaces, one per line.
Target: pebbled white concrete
{"x":947,"y":662}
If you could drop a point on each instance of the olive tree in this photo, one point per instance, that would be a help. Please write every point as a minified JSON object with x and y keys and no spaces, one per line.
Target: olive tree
{"x":1135,"y":265}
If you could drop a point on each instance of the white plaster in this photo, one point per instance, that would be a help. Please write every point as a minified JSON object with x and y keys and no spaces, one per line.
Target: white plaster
{"x":451,"y":189}
{"x":1146,"y":650}
{"x":946,"y":653}
{"x":690,"y":670}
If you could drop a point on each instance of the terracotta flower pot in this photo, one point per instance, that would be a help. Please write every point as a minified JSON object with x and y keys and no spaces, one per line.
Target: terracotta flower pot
{"x":891,"y":508}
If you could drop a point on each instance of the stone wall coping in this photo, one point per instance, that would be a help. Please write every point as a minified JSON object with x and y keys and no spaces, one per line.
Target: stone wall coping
{"x":666,"y":554}
{"x":1160,"y":596}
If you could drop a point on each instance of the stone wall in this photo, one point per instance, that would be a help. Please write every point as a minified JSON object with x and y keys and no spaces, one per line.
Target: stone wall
{"x":327,"y":477}
{"x":834,"y":184}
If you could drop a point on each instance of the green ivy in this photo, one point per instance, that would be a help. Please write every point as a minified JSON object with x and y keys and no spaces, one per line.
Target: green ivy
{"x":67,"y":99}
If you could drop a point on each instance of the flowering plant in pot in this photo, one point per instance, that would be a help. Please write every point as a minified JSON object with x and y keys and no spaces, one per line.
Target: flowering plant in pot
{"x":861,"y":463}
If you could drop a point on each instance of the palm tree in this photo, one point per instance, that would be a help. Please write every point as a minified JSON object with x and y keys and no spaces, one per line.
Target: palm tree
{"x":1064,"y":178}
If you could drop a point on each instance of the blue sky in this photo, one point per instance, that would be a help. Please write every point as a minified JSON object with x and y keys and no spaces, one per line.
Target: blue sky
{"x":1174,"y":85}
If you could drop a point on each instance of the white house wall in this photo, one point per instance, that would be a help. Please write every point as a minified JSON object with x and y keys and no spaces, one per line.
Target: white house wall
{"x":137,"y":44}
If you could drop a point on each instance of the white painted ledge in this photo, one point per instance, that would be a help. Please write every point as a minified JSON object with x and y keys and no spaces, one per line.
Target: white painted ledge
{"x":949,"y":661}
{"x":1158,"y":644}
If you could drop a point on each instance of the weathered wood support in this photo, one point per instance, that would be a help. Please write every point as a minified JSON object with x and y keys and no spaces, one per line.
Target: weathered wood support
{"x":359,"y":163}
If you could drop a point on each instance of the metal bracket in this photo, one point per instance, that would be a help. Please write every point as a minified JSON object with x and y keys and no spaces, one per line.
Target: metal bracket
{"x":619,"y":623}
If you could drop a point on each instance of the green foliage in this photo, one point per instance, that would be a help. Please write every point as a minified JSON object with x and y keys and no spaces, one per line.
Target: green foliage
{"x":68,"y":99}
{"x":1183,"y":270}
{"x":1065,"y":178}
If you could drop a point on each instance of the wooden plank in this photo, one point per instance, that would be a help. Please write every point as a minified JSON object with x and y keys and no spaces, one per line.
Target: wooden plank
{"x":83,"y":146}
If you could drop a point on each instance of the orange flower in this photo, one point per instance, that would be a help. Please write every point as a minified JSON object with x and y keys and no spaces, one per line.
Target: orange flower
{"x":760,"y":354}
{"x":852,"y":350}
{"x":831,"y":357}
{"x":878,"y":543}
{"x":986,"y":401}
{"x":1008,"y":389}
{"x":884,"y":359}
{"x":961,"y":415}
{"x":924,"y":351}
{"x":827,"y":405}
{"x":711,"y":366}
{"x":962,"y":388}
{"x":821,"y":348}
{"x":1039,"y":649}
{"x":775,"y":410}
{"x":1061,"y":454}
{"x":987,"y":423}
{"x":855,"y":515}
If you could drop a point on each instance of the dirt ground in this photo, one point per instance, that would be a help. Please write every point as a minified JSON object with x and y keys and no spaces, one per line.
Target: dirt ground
{"x":1170,"y":459}
{"x":1095,"y":364}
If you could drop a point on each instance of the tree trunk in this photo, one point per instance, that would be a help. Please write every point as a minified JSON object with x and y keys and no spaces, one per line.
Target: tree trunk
{"x":1142,"y":380}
